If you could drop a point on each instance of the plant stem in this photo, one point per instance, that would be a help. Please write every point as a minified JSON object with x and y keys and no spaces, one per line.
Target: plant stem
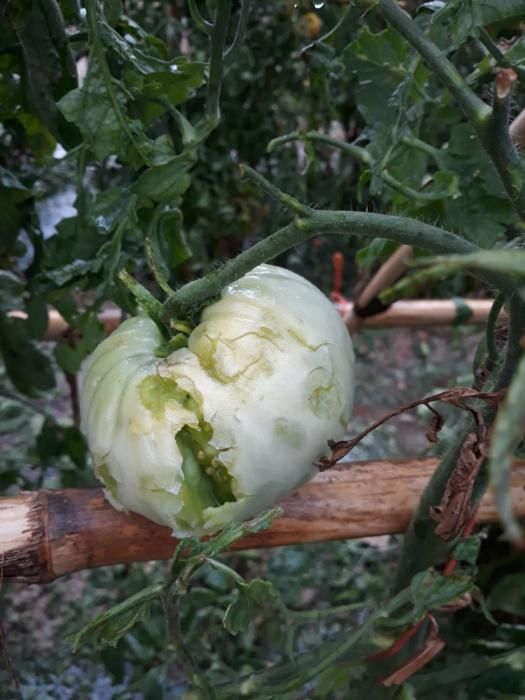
{"x":491,"y":132}
{"x":98,"y":51}
{"x":360,"y":154}
{"x":425,"y":147}
{"x":266,"y":186}
{"x":498,"y":55}
{"x":395,"y":228}
{"x":7,"y":394}
{"x":231,"y":54}
{"x":144,"y":299}
{"x":203,"y":24}
{"x":421,"y":547}
{"x":217,"y":42}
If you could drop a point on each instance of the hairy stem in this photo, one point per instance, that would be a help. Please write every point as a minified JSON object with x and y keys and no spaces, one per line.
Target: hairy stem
{"x":397,"y":228}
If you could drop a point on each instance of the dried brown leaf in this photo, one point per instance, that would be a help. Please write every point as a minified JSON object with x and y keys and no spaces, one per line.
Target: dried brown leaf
{"x":432,"y":646}
{"x":456,"y":397}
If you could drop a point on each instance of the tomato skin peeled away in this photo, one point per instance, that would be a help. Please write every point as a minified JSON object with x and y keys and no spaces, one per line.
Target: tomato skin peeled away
{"x":227,"y":426}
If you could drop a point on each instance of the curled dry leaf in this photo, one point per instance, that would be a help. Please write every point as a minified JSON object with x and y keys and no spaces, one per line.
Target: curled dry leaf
{"x":455,"y":397}
{"x":455,"y":509}
{"x":431,"y":646}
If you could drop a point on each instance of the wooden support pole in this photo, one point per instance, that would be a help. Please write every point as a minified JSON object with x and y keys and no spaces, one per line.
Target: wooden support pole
{"x":47,"y":534}
{"x":419,"y":313}
{"x":423,"y":312}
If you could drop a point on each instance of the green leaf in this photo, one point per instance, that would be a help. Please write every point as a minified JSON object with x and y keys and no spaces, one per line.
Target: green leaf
{"x":111,"y":625}
{"x":467,"y":550}
{"x":55,"y":441}
{"x":249,"y":597}
{"x":468,"y":668}
{"x":379,"y":60}
{"x":464,"y":19}
{"x":508,"y":595}
{"x":50,"y":66}
{"x":173,"y":248}
{"x":13,"y":195}
{"x":432,"y":590}
{"x":92,"y":109}
{"x":67,"y":275}
{"x":108,"y":208}
{"x":508,"y":432}
{"x":89,"y":332}
{"x":37,"y":317}
{"x":377,"y":251}
{"x":165,"y":182}
{"x":29,"y":369}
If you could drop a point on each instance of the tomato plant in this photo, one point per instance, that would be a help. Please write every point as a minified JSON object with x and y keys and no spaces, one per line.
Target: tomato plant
{"x":182,"y":135}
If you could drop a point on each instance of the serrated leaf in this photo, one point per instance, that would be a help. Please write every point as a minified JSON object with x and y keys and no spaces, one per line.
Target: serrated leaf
{"x":67,"y":275}
{"x":465,"y":19}
{"x":379,"y":60}
{"x":508,"y":432}
{"x":249,"y":597}
{"x":92,"y":110}
{"x":110,"y":626}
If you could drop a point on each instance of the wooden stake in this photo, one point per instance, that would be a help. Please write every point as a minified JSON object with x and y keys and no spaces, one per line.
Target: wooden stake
{"x":48,"y":534}
{"x":424,"y":312}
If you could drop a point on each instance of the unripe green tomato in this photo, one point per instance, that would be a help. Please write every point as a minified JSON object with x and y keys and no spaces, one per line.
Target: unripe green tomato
{"x":225,"y":427}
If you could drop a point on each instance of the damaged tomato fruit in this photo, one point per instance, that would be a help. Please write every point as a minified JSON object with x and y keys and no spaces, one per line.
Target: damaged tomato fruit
{"x":225,"y":427}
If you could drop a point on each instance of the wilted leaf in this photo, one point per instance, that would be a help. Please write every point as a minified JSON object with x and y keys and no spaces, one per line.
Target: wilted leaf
{"x":111,"y":625}
{"x":249,"y":597}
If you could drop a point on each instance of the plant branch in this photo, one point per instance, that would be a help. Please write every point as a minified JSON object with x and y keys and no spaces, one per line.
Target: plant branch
{"x":203,"y":24}
{"x":98,"y":51}
{"x":217,"y":44}
{"x":194,"y":295}
{"x":360,"y":154}
{"x":491,"y":132}
{"x":397,"y":228}
{"x":266,"y":186}
{"x":498,"y":55}
{"x":144,"y":299}
{"x":232,"y":52}
{"x":422,"y":547}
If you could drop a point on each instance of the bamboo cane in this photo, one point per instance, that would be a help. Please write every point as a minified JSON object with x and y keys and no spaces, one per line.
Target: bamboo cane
{"x":389,"y":272}
{"x":48,"y":534}
{"x":424,"y":312}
